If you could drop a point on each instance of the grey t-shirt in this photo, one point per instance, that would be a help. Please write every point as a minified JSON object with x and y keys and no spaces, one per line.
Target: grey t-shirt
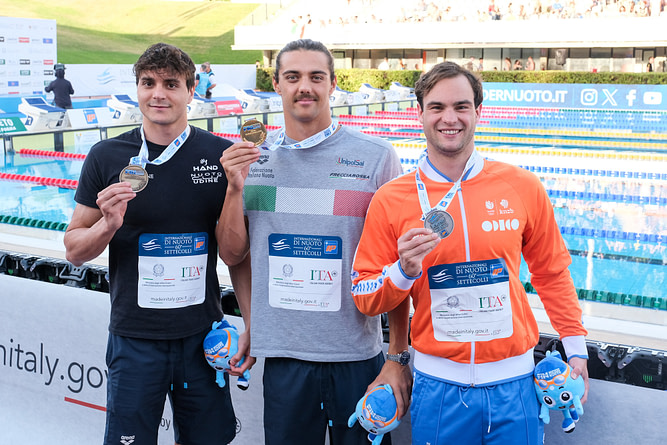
{"x":306,"y":209}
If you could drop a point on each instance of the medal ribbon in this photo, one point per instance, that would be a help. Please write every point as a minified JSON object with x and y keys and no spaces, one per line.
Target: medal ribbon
{"x":306,"y":143}
{"x":167,"y":153}
{"x":449,"y":196}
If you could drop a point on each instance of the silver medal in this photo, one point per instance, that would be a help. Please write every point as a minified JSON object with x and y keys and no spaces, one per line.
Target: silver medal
{"x":439,"y":222}
{"x":136,"y":176}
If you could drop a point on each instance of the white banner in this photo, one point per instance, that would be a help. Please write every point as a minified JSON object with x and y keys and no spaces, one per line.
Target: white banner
{"x":53,"y":374}
{"x":103,"y":80}
{"x":28,"y":52}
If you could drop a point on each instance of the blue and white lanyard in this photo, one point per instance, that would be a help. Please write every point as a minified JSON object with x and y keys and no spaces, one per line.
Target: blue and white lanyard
{"x":449,"y":196}
{"x":310,"y":141}
{"x":167,"y":153}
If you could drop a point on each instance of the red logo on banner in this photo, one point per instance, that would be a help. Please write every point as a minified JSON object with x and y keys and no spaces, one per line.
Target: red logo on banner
{"x":48,"y":62}
{"x":227,"y":107}
{"x":24,"y":39}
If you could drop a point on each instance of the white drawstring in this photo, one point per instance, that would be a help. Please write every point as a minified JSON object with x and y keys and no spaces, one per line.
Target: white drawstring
{"x":488,"y":401}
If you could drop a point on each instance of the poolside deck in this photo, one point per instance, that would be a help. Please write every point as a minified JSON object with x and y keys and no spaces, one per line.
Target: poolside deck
{"x":606,"y":322}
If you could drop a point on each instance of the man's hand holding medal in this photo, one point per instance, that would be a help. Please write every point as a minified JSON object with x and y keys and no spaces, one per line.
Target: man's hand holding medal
{"x":236,"y":159}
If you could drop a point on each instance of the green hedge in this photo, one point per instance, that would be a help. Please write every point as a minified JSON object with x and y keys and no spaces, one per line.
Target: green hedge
{"x":581,"y":77}
{"x":351,"y":80}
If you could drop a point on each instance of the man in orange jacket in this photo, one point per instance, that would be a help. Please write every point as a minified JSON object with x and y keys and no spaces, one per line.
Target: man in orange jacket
{"x":473,"y":330}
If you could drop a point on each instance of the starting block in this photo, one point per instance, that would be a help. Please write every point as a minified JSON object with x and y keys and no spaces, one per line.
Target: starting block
{"x":341,"y":97}
{"x":200,"y":108}
{"x":403,"y":91}
{"x":338,"y":97}
{"x":371,"y":94}
{"x":41,"y":116}
{"x":124,"y":109}
{"x":251,"y":102}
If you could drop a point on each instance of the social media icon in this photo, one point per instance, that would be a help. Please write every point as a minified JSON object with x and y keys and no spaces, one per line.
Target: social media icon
{"x":589,"y":96}
{"x":609,"y":97}
{"x":653,"y":98}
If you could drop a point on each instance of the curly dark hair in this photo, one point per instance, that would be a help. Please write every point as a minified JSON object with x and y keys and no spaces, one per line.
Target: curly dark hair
{"x":446,"y":70}
{"x":165,"y":57}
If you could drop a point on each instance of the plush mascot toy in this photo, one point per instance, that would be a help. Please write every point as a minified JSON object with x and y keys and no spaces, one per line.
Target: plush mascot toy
{"x":220,"y":345}
{"x":377,"y":412}
{"x":557,"y":390}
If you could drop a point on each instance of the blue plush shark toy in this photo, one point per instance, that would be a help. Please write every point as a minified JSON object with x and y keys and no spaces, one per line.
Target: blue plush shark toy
{"x":377,"y":413}
{"x":557,"y":390}
{"x":220,"y":345}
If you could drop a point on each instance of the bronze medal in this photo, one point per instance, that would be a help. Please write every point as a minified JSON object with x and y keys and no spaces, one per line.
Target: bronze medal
{"x":253,"y":131}
{"x":439,"y":222}
{"x":136,"y":176}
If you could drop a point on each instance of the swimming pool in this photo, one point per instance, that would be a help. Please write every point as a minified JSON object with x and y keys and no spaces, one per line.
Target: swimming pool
{"x":612,"y":212}
{"x":610,"y":201}
{"x":37,"y":201}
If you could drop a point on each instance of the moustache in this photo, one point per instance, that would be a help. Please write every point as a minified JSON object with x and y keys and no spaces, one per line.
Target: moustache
{"x":305,"y":96}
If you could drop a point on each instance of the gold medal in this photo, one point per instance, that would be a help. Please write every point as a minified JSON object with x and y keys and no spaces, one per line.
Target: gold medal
{"x":253,"y":131}
{"x":136,"y":176}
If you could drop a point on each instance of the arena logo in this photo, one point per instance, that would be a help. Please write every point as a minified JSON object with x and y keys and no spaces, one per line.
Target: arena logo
{"x":127,"y":440}
{"x":501,"y":225}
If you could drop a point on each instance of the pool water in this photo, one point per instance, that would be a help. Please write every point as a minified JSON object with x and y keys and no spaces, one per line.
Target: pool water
{"x":35,"y":201}
{"x":612,"y":211}
{"x":611,"y":208}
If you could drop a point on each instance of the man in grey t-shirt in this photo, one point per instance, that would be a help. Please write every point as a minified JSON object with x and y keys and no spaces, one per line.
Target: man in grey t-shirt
{"x":293,"y":214}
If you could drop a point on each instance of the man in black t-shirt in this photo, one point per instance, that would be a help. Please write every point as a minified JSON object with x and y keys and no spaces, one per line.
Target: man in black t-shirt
{"x":61,"y":87}
{"x":153,"y":196}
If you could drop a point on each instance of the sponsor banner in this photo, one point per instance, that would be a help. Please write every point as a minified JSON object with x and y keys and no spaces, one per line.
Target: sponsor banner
{"x":95,"y":80}
{"x":28,"y":52}
{"x":581,"y":96}
{"x":11,"y":125}
{"x":89,"y":117}
{"x":53,"y":374}
{"x":227,"y":107}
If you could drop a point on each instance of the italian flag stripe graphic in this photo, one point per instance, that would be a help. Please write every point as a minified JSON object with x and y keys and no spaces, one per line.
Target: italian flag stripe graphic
{"x":306,"y":201}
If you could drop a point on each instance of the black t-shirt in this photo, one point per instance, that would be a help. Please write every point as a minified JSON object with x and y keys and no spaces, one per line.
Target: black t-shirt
{"x":62,"y":88}
{"x":183,"y":196}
